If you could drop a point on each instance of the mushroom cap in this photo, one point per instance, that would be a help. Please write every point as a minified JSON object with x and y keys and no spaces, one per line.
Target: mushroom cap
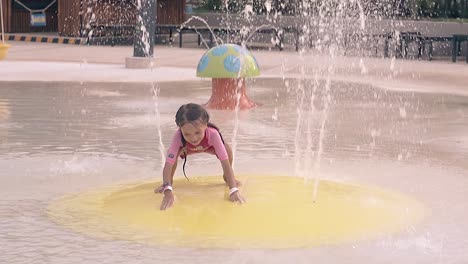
{"x":227,"y":61}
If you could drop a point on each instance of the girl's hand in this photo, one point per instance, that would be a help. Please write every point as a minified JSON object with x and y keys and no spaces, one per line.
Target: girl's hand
{"x":168,"y":200}
{"x":159,"y":189}
{"x":236,"y":197}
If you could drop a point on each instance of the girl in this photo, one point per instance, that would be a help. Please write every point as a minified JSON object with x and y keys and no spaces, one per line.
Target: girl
{"x":196,"y":135}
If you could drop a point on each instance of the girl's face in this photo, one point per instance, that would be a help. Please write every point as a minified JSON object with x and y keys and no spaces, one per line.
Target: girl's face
{"x":193,"y":132}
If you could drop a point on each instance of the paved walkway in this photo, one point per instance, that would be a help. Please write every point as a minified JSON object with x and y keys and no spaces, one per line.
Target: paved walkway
{"x":56,"y":62}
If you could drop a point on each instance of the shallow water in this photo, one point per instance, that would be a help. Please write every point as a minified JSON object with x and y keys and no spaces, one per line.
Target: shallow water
{"x":63,"y":138}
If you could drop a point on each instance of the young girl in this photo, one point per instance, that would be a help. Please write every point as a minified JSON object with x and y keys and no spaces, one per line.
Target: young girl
{"x":196,"y":135}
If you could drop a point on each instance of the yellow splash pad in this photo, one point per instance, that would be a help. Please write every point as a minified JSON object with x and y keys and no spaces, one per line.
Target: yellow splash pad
{"x":279,"y":213}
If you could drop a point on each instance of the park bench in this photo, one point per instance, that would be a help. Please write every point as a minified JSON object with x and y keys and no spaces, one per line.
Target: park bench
{"x":123,"y":34}
{"x":457,"y":40}
{"x":109,"y":34}
{"x":402,"y":41}
{"x":425,"y":44}
{"x":215,"y":32}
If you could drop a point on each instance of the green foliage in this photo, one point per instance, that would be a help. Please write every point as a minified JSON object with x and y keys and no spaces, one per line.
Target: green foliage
{"x":214,"y":5}
{"x":381,"y":8}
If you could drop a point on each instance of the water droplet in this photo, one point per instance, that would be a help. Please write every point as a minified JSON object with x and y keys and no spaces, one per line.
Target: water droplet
{"x":402,"y":112}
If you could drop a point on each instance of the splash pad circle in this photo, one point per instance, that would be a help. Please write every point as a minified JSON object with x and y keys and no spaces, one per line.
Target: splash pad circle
{"x":279,"y":213}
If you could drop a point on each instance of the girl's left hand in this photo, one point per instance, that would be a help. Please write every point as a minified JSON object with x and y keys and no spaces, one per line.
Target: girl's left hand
{"x":236,"y":197}
{"x":159,"y":189}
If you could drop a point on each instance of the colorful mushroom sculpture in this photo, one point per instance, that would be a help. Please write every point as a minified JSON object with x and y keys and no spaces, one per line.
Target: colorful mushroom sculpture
{"x":228,"y":65}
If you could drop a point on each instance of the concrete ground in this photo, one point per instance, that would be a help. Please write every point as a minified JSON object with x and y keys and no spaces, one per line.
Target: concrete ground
{"x":25,"y":61}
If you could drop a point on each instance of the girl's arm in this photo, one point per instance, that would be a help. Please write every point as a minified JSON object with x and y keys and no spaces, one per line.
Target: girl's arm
{"x":168,"y":174}
{"x":168,"y":171}
{"x":229,"y":174}
{"x":224,"y":153}
{"x":166,"y":187}
{"x":171,"y":161}
{"x":234,"y":193}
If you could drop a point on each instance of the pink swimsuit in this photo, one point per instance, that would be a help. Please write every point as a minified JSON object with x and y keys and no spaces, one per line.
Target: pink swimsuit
{"x":211,"y":143}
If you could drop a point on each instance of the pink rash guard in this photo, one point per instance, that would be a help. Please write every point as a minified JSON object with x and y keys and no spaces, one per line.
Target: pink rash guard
{"x":211,"y":143}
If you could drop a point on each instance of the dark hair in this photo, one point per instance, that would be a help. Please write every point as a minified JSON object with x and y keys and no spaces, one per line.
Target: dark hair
{"x":191,"y":113}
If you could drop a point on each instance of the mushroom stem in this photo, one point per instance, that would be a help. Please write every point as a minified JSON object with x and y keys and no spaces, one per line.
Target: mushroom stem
{"x":224,"y":91}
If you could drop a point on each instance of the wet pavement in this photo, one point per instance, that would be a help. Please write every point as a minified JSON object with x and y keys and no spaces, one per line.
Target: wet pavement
{"x":60,"y":138}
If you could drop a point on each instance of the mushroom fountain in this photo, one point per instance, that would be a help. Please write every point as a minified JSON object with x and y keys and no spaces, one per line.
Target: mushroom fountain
{"x":228,"y":65}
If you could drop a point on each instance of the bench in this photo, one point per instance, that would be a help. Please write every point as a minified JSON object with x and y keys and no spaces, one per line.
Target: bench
{"x":456,"y":46}
{"x":213,"y":32}
{"x":429,"y":41}
{"x":110,"y":34}
{"x":455,"y":41}
{"x":402,"y":40}
{"x":118,"y":34}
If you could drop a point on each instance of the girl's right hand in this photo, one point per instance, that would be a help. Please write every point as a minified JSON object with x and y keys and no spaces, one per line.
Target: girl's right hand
{"x":237,"y":197}
{"x":168,"y":200}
